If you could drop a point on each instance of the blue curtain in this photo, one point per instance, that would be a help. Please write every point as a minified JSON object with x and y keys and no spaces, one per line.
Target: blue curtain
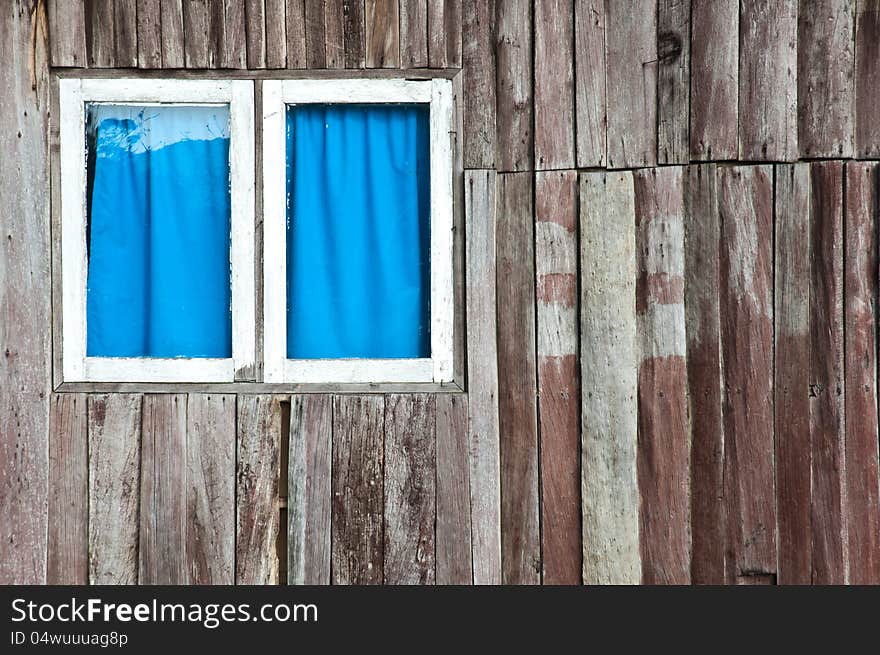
{"x":159,"y":221}
{"x":358,"y":219}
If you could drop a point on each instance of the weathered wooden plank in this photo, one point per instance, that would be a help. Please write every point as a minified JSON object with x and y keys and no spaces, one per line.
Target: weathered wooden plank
{"x":125,"y":28}
{"x":478,"y":56}
{"x":664,"y":448}
{"x":197,"y":28}
{"x":862,"y":512}
{"x":768,"y":80}
{"x":101,"y":33}
{"x":792,"y":371}
{"x":114,"y":474}
{"x":309,"y":489}
{"x":714,"y":80}
{"x":172,"y":34}
{"x":67,"y":553}
{"x":163,"y":506}
{"x":703,"y":329}
{"x":515,"y":279}
{"x":413,"y":33}
{"x":299,"y":32}
{"x":334,"y":33}
{"x":410,"y":488}
{"x":745,"y":203}
{"x":444,"y":33}
{"x":825,"y":60}
{"x":316,"y":48}
{"x":276,"y":33}
{"x":234,"y":52}
{"x":673,"y":81}
{"x":631,"y":82}
{"x":353,"y":33}
{"x":609,"y":375}
{"x":482,"y":344}
{"x":589,"y":53}
{"x":258,"y":516}
{"x":454,"y":563}
{"x":556,"y":262}
{"x":827,"y":431}
{"x":358,"y":490}
{"x":554,"y":85}
{"x":382,"y":33}
{"x":255,"y":33}
{"x":149,"y":33}
{"x":67,"y":33}
{"x":210,"y":488}
{"x":515,"y":96}
{"x":867,"y":78}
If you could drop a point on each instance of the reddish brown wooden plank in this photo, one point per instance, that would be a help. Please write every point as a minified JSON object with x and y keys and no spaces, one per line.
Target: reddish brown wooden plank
{"x":703,"y":329}
{"x":68,"y":540}
{"x":313,"y":20}
{"x":334,"y":33}
{"x":125,"y":27}
{"x":589,"y":52}
{"x":298,"y":39}
{"x":478,"y":56}
{"x":67,"y":33}
{"x":413,"y":33}
{"x":826,"y":374}
{"x":172,"y":34}
{"x":234,"y":52}
{"x":410,"y":491}
{"x":514,"y":116}
{"x":353,"y":33}
{"x":382,"y":33}
{"x":673,"y":81}
{"x":792,"y":370}
{"x":746,"y":206}
{"x":444,"y":33}
{"x":867,"y":78}
{"x":664,"y":449}
{"x":714,"y":79}
{"x":520,"y":543}
{"x":149,"y":33}
{"x":358,"y":492}
{"x":554,"y":85}
{"x":101,"y":33}
{"x":860,"y":293}
{"x":454,"y":563}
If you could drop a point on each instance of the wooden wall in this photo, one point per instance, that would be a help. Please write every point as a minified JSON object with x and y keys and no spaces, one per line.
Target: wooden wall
{"x":671,"y":283}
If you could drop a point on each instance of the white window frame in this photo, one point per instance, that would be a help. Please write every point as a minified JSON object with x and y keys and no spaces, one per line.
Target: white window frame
{"x":277,"y":94}
{"x":74,"y":94}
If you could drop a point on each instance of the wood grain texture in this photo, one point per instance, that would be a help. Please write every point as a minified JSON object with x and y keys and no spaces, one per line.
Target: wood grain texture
{"x":673,"y":81}
{"x":482,"y":344}
{"x":358,"y":491}
{"x":515,"y":278}
{"x":276,"y":33}
{"x":100,"y":19}
{"x":258,"y":517}
{"x":827,"y":428}
{"x":609,"y":373}
{"x":234,"y":51}
{"x":714,"y":80}
{"x":745,"y":203}
{"x":768,"y":80}
{"x":163,"y":506}
{"x":382,"y":33}
{"x":114,"y":495}
{"x":792,"y":371}
{"x":173,"y":55}
{"x":554,"y":85}
{"x":826,"y":60}
{"x":67,"y":33}
{"x":413,"y":33}
{"x":313,"y":22}
{"x":589,"y":65}
{"x":410,"y":489}
{"x":478,"y":57}
{"x":149,"y":33}
{"x":210,"y":489}
{"x":67,"y":558}
{"x":556,"y":265}
{"x":631,"y":82}
{"x":860,"y":293}
{"x":867,"y":78}
{"x":334,"y":33}
{"x":255,"y":33}
{"x":444,"y":33}
{"x":513,"y":74}
{"x":309,"y":489}
{"x":702,"y":230}
{"x":197,"y":28}
{"x":297,"y":33}
{"x":354,"y":33}
{"x":125,"y":28}
{"x":664,"y":439}
{"x":454,"y":558}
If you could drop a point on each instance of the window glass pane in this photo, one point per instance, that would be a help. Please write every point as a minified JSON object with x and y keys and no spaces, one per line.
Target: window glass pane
{"x":158,"y":274}
{"x":358,"y":231}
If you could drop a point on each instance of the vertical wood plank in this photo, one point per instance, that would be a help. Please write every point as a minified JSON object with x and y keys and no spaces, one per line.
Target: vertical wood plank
{"x":410,"y":489}
{"x":382,"y":33}
{"x":768,"y":80}
{"x":299,"y":30}
{"x":68,"y":539}
{"x":515,"y":97}
{"x":101,"y":33}
{"x":255,"y":35}
{"x":234,"y":53}
{"x":196,"y":25}
{"x":792,"y":371}
{"x":745,"y":202}
{"x":125,"y":28}
{"x":276,"y":33}
{"x":482,"y":344}
{"x":478,"y":56}
{"x":554,"y":85}
{"x":867,"y":78}
{"x":826,"y":375}
{"x":413,"y":33}
{"x":67,"y":33}
{"x":358,"y":493}
{"x":631,"y":79}
{"x":172,"y":34}
{"x":862,"y":476}
{"x":703,"y":330}
{"x":454,"y":563}
{"x":673,"y":81}
{"x":258,"y":516}
{"x":444,"y":33}
{"x":714,"y":80}
{"x":353,"y":33}
{"x":316,"y":48}
{"x":609,"y":374}
{"x":334,"y":33}
{"x":149,"y":33}
{"x":114,"y":474}
{"x":309,"y":489}
{"x":556,"y":262}
{"x":210,"y":488}
{"x":589,"y":54}
{"x":664,"y":448}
